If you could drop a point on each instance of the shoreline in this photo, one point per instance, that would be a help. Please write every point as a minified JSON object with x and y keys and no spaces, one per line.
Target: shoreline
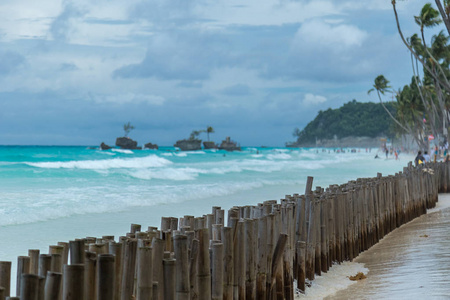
{"x":390,"y":265}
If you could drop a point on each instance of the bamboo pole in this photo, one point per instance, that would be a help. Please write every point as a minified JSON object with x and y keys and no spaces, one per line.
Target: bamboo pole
{"x":116,"y":250}
{"x":5,"y":276}
{"x":23,"y":267}
{"x":29,"y":286}
{"x":73,"y":282}
{"x":45,"y":264}
{"x":158,"y":274}
{"x":144,"y":273}
{"x":76,"y":251}
{"x":90,"y":269}
{"x":105,"y":277}
{"x":182,"y":267}
{"x":249,"y":245}
{"x":204,"y":275}
{"x":53,"y":286}
{"x":193,"y":269}
{"x":261,"y":264}
{"x":128,"y":271}
{"x":228,"y":266}
{"x":277,"y":261}
{"x":34,"y":261}
{"x":217,"y":272}
{"x":169,"y":273}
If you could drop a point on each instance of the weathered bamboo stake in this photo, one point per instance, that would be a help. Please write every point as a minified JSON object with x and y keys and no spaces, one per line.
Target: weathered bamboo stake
{"x":193,"y":269}
{"x":5,"y":276}
{"x":182,"y":267}
{"x":269,"y":248}
{"x":169,"y":273}
{"x":116,"y":250}
{"x":53,"y":286}
{"x":34,"y":261}
{"x":174,"y":223}
{"x":158,"y":275}
{"x":76,"y":251}
{"x":210,"y":220}
{"x":228,"y":267}
{"x":261,"y":257}
{"x":45,"y":264}
{"x":277,"y":262}
{"x":56,"y":262}
{"x":41,"y":288}
{"x":129,"y":266}
{"x":105,"y":277}
{"x":2,"y":293}
{"x":90,"y":270}
{"x":233,"y":222}
{"x":250,"y":281}
{"x":301,"y":272}
{"x":323,"y":236}
{"x":155,"y":290}
{"x":23,"y":267}
{"x":29,"y":286}
{"x":144,"y":273}
{"x":204,"y":275}
{"x":73,"y":282}
{"x":217,"y":272}
{"x":216,"y":230}
{"x":135,"y":228}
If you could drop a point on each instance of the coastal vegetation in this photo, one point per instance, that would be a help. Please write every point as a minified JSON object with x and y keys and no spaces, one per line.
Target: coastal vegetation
{"x":353,"y":119}
{"x":422,"y":107}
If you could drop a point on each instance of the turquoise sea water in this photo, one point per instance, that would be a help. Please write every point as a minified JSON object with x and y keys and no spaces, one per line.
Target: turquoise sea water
{"x":51,"y":194}
{"x":43,"y":183}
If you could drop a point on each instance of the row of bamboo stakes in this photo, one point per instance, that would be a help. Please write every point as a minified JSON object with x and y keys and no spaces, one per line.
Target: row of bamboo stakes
{"x":260,"y":254}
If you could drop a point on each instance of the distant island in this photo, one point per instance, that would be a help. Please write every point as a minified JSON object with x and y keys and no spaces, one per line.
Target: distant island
{"x":355,"y":124}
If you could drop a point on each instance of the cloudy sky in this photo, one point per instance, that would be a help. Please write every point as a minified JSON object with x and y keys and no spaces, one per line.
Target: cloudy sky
{"x":72,"y":72}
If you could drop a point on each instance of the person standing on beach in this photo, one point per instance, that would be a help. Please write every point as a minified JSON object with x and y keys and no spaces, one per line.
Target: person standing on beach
{"x":427,"y":157}
{"x":419,"y":159}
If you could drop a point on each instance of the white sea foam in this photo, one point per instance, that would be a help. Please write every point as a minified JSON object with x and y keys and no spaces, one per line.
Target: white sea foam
{"x":279,"y":156}
{"x":104,"y":164}
{"x":180,"y":154}
{"x":124,"y":151}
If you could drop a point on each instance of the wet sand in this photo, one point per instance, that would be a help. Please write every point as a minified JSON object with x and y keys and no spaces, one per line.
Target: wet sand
{"x":412,"y":262}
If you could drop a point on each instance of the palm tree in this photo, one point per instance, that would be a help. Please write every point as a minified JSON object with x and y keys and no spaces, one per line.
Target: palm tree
{"x":425,"y":20}
{"x":429,"y":17}
{"x":381,"y":85}
{"x":127,"y":128}
{"x":209,"y":130}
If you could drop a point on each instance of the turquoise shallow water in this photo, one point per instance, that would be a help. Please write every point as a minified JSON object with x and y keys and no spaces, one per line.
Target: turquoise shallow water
{"x":44,"y":183}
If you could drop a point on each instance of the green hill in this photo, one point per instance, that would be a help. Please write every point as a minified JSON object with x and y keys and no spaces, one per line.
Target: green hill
{"x":353,"y":119}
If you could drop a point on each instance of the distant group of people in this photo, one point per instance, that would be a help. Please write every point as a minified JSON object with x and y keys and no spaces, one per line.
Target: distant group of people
{"x":426,"y":158}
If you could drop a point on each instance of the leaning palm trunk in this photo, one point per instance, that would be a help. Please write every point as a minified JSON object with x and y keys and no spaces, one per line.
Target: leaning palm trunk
{"x":408,"y":130}
{"x":445,"y":85}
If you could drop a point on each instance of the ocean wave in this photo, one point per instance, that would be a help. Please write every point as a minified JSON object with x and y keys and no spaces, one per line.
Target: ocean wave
{"x":104,"y":164}
{"x":279,"y":156}
{"x":124,"y":151}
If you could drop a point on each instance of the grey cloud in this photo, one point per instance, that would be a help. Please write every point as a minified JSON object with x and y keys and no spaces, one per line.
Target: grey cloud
{"x":165,"y":13}
{"x":60,"y":28}
{"x":180,"y":56}
{"x":67,"y":67}
{"x":236,"y":90}
{"x":10,"y":61}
